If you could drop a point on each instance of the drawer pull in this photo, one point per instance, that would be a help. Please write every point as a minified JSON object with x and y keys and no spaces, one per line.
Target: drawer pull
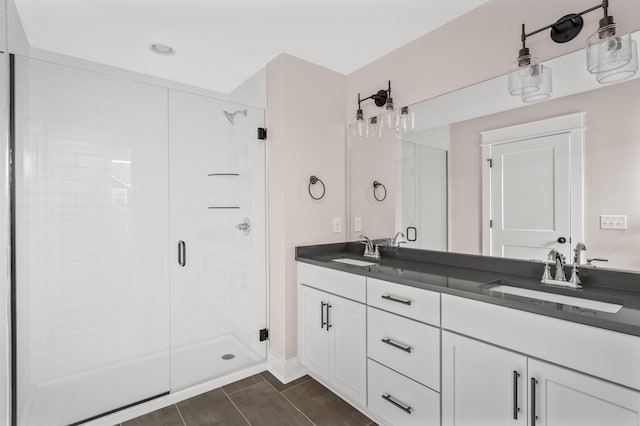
{"x":404,"y":407}
{"x":396,"y":345}
{"x":532,"y":406}
{"x":393,"y":299}
{"x":516,"y":410}
{"x":322,"y":321}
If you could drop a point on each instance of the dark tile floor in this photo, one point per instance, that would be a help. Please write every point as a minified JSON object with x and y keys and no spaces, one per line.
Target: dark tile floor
{"x":259,"y":400}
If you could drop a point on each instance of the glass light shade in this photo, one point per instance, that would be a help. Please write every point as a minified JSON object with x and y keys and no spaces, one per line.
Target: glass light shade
{"x":374,"y":127}
{"x":407,"y":121}
{"x":545,"y":90}
{"x":391,"y":118}
{"x":358,"y":127}
{"x":608,"y":52}
{"x":524,"y":78}
{"x":622,"y":73}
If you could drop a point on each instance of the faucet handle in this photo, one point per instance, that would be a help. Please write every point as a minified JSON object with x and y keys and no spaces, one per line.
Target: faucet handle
{"x":595,"y":259}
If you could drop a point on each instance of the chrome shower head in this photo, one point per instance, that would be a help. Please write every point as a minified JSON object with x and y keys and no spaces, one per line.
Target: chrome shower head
{"x":231,"y":115}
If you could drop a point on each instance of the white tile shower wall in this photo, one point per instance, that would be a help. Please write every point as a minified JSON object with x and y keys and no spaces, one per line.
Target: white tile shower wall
{"x":93,"y":266}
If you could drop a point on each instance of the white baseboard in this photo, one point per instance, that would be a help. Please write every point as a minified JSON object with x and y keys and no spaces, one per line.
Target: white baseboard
{"x":285,"y":370}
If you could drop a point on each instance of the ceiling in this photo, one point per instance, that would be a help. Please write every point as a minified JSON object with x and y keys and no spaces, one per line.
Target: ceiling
{"x":221,"y":43}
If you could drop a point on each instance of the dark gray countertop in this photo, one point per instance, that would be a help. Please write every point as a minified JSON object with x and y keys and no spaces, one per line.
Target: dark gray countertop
{"x":470,"y":276}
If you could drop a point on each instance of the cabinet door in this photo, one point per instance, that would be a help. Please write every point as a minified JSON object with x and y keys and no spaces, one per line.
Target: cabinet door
{"x":348,"y":347}
{"x":481,"y":384}
{"x":314,"y":336}
{"x":567,"y":398}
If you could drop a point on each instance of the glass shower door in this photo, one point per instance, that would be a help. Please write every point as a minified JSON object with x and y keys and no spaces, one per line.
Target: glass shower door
{"x":218,"y":229}
{"x":92,"y":247}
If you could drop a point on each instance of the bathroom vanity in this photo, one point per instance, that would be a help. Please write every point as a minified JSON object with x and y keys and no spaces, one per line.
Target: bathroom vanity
{"x":427,"y":338}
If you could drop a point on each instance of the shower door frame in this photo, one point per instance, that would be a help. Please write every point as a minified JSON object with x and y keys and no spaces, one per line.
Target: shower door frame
{"x":9,"y":197}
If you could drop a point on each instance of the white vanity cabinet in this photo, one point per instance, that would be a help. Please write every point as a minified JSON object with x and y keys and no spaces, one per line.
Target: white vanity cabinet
{"x":486,"y":385}
{"x":403,"y":347}
{"x":332,"y":329}
{"x":412,"y":356}
{"x":482,"y":384}
{"x":565,"y":397}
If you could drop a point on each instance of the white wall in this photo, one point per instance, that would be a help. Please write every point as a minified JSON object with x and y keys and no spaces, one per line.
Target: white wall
{"x":252,"y":92}
{"x":305,"y":120}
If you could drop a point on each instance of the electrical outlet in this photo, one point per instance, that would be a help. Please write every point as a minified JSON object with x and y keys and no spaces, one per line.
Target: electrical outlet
{"x":610,"y":221}
{"x":337,"y":225}
{"x":357,"y":224}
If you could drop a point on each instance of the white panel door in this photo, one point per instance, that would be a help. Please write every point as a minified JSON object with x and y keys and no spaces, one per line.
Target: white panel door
{"x":482,"y":385}
{"x":314,"y":335}
{"x":531,"y":197}
{"x":347,"y":322}
{"x":218,"y":271}
{"x":561,"y":397}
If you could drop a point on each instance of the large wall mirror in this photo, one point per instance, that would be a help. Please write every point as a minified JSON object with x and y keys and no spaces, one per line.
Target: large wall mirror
{"x":484,"y":173}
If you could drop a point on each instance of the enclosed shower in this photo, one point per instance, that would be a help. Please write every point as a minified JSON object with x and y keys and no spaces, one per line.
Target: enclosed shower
{"x":140,"y":251}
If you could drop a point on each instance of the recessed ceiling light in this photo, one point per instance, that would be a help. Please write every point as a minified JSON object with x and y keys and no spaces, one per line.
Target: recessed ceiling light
{"x":162,"y":49}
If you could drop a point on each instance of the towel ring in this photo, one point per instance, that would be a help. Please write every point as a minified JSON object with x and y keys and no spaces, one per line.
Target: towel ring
{"x":312,"y":181}
{"x":376,"y":185}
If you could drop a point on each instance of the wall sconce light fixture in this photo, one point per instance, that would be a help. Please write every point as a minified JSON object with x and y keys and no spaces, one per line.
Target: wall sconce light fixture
{"x":390,"y":118}
{"x":609,"y":56}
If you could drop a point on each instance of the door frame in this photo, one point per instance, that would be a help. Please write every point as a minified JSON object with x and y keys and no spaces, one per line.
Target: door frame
{"x":574,"y":125}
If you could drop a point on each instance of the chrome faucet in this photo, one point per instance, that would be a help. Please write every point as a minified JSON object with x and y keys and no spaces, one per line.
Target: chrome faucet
{"x":560,"y":279}
{"x":395,"y":241}
{"x":370,"y":249}
{"x":577,"y":255}
{"x":555,"y":256}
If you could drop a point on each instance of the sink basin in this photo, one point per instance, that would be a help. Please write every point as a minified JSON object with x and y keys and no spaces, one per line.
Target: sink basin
{"x":354,"y":262}
{"x":595,"y":305}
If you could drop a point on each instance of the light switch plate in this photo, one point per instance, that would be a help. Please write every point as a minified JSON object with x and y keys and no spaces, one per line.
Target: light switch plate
{"x":337,"y":225}
{"x":357,"y":224}
{"x":613,"y":221}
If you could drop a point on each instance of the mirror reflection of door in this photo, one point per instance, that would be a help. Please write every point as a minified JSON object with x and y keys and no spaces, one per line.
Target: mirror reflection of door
{"x":421,"y":202}
{"x":531,"y":182}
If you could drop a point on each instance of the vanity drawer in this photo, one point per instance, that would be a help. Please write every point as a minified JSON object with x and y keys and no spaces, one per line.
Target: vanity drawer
{"x":416,"y":404}
{"x":412,"y":302}
{"x":341,"y":283}
{"x":407,"y":346}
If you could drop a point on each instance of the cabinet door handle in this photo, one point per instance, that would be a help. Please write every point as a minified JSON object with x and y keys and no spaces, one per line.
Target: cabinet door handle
{"x":396,"y":345}
{"x":533,"y":402}
{"x":329,"y":325}
{"x":404,"y":407}
{"x":394,"y":299}
{"x":182,"y":253}
{"x":322,"y":322}
{"x":516,"y":410}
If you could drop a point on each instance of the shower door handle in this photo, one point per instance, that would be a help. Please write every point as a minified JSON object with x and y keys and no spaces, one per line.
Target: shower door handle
{"x":182,"y":253}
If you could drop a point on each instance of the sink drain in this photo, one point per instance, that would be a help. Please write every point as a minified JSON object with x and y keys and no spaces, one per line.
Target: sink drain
{"x":227,"y":357}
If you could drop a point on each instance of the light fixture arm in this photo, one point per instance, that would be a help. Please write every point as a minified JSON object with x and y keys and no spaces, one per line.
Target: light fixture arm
{"x":575,"y":19}
{"x":380,"y":97}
